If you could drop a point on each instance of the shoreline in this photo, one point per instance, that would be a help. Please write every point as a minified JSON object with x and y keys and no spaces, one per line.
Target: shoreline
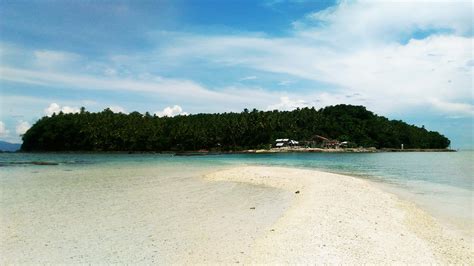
{"x":343,"y":150}
{"x":352,"y":227}
{"x":215,"y":215}
{"x":304,"y":150}
{"x":248,"y":151}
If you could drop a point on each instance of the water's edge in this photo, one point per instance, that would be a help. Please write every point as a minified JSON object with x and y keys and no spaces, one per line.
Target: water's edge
{"x":440,"y":183}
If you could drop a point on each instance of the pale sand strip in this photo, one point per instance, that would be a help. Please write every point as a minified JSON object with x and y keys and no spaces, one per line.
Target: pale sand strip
{"x":341,"y":219}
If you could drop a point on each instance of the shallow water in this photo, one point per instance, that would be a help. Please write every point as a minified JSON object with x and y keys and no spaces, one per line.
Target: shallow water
{"x":441,"y":183}
{"x":119,"y":209}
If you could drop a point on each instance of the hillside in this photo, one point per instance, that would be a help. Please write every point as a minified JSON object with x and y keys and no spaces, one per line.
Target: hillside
{"x":7,"y":146}
{"x":108,"y":131}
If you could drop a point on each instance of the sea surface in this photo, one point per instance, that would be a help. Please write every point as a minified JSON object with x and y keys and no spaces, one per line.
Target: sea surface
{"x":439,"y":182}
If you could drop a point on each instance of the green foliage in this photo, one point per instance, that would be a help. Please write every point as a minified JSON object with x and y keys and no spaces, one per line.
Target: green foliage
{"x":109,"y":131}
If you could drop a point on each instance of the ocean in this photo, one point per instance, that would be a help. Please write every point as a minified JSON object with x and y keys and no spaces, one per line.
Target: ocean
{"x":439,"y":182}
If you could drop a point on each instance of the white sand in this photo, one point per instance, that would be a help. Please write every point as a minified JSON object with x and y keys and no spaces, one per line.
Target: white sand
{"x":142,"y":214}
{"x":241,"y":215}
{"x":340,"y":219}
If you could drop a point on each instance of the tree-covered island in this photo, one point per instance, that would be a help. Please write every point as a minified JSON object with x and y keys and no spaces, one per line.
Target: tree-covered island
{"x":109,"y":131}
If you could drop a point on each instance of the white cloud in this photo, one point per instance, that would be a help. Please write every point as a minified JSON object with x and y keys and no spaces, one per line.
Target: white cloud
{"x":248,"y":78}
{"x":461,"y":109}
{"x":285,"y":82}
{"x":358,"y":48}
{"x":362,"y":47}
{"x":54,"y":59}
{"x":3,"y":130}
{"x":22,"y":127}
{"x":231,"y":98}
{"x":56,"y":108}
{"x":317,"y":100}
{"x":171,"y":111}
{"x":288,"y":104}
{"x":110,"y":72}
{"x":117,"y":109}
{"x":165,"y":87}
{"x":369,"y":22}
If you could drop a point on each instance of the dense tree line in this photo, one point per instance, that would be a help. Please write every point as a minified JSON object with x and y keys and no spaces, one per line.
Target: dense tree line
{"x":109,"y":131}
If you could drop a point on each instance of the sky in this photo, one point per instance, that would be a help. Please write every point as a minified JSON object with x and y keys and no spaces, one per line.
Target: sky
{"x":406,"y":60}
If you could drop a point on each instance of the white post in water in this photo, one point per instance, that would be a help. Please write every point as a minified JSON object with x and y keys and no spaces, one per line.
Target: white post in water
{"x":402,"y":146}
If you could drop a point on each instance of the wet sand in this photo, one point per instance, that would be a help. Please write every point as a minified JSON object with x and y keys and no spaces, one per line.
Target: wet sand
{"x":237,"y":215}
{"x":132,"y":214}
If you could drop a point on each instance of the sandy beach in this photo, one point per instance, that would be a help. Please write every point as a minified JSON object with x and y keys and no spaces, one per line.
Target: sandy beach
{"x":245,"y":214}
{"x":341,"y":219}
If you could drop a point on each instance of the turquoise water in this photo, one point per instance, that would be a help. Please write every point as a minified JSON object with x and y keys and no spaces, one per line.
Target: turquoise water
{"x":442,"y":183}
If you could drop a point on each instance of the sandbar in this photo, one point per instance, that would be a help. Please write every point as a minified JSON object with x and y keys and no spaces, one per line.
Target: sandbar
{"x":216,"y":215}
{"x":341,"y":219}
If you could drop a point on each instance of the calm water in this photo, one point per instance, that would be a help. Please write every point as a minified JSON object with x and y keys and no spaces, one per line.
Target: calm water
{"x":442,"y":183}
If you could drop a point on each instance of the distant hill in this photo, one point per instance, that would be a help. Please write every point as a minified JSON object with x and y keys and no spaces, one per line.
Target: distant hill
{"x":109,"y":131}
{"x":7,"y":146}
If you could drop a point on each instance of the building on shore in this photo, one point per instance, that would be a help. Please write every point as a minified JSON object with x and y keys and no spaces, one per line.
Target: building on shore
{"x":318,"y":141}
{"x":280,"y":143}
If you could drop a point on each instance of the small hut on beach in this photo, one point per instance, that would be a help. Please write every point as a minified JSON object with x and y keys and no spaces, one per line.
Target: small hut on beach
{"x":279,"y":143}
{"x":318,"y":141}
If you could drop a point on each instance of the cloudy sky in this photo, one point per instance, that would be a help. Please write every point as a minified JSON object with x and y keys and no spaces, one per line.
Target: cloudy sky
{"x":408,"y":60}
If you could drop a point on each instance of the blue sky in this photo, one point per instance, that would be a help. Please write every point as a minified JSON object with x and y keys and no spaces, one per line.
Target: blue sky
{"x":409,"y":60}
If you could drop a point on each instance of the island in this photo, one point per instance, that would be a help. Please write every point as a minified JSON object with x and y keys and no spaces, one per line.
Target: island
{"x":332,"y":128}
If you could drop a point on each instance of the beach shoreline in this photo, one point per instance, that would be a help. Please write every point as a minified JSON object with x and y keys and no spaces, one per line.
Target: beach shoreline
{"x":342,"y":219}
{"x":215,"y":215}
{"x":244,"y":151}
{"x":306,"y":150}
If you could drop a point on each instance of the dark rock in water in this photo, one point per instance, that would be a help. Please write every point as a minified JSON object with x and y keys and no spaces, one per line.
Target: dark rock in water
{"x":35,"y":163}
{"x":297,"y":192}
{"x":44,"y":163}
